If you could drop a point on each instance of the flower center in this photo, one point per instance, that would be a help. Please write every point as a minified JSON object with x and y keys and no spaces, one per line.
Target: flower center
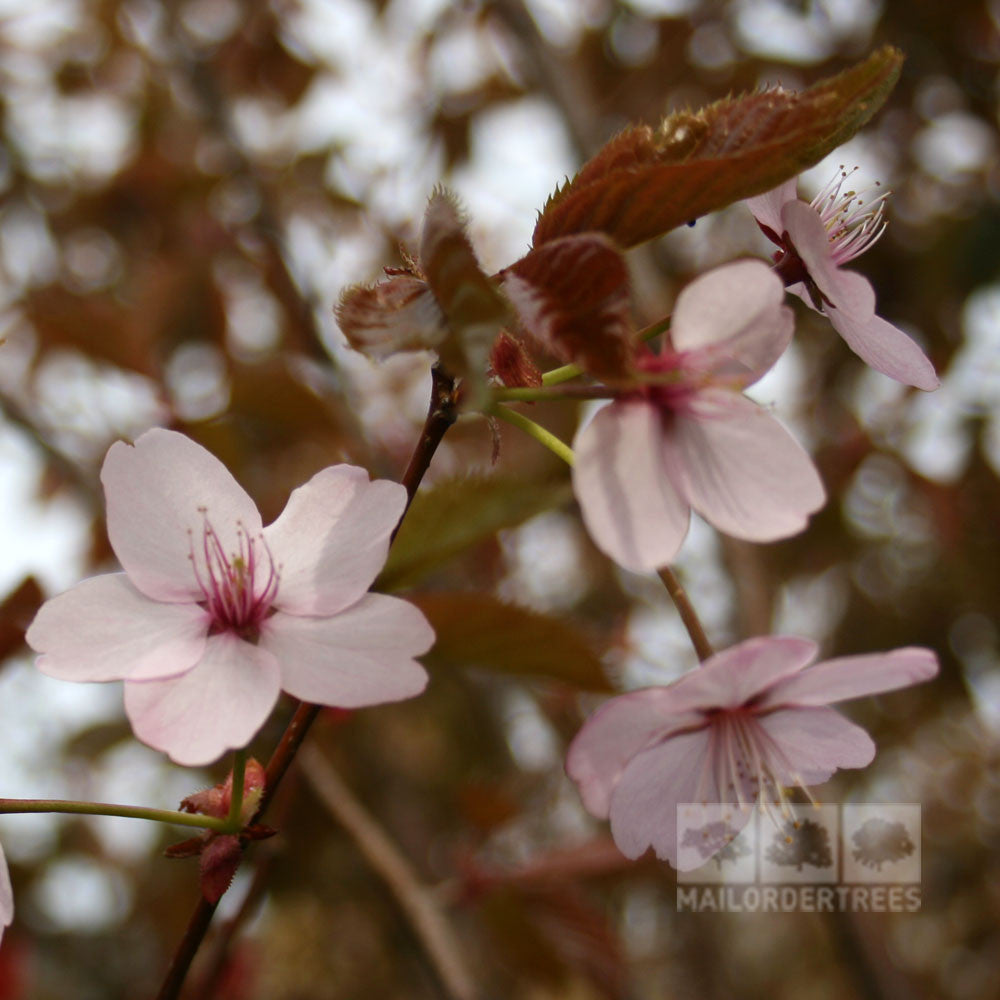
{"x":669,"y":380}
{"x":238,"y":587}
{"x":854,"y":222}
{"x":747,"y":764}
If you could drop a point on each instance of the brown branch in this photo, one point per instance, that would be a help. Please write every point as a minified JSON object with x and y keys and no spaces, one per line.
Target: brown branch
{"x":414,"y":898}
{"x":194,"y":935}
{"x":440,"y":416}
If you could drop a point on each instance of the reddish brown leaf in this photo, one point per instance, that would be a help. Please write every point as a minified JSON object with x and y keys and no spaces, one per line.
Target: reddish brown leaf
{"x":572,"y":297}
{"x":395,"y":315}
{"x":473,"y":309}
{"x":445,"y":303}
{"x":219,"y":861}
{"x":644,"y":183}
{"x":510,"y":363}
{"x":215,"y":801}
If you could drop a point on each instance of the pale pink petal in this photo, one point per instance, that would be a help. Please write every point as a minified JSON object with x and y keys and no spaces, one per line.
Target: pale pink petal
{"x":218,"y":705}
{"x":614,"y":734}
{"x":362,"y":656}
{"x":644,"y":802}
{"x":737,"y":675}
{"x":738,"y":302}
{"x":811,"y":241}
{"x":629,"y":503}
{"x":103,"y":629}
{"x":854,"y":677}
{"x":885,"y":347}
{"x":6,"y":894}
{"x":332,"y":539}
{"x":766,"y":208}
{"x":743,"y":472}
{"x":855,"y":297}
{"x":809,"y":744}
{"x":159,"y":493}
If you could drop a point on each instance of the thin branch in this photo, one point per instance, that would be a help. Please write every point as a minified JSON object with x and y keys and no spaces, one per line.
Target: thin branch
{"x":414,"y":898}
{"x":441,"y":414}
{"x":686,"y":610}
{"x":197,"y":928}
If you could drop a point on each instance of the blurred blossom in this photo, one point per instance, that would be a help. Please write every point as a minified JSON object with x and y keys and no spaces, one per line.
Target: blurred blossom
{"x":812,"y":606}
{"x":197,"y":377}
{"x":544,"y":559}
{"x":956,"y":143}
{"x":802,"y":33}
{"x":79,"y":893}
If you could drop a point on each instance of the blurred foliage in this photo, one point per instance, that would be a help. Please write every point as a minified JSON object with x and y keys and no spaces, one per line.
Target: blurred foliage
{"x":186,"y":190}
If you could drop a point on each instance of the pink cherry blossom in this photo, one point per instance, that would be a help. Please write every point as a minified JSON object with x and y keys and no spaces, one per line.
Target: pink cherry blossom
{"x":747,"y":723}
{"x":6,"y":895}
{"x":816,"y":239}
{"x":687,"y":438}
{"x":216,"y":614}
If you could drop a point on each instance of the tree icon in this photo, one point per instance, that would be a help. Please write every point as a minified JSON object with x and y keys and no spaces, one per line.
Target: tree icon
{"x":800,"y":842}
{"x":716,"y":840}
{"x":878,"y":841}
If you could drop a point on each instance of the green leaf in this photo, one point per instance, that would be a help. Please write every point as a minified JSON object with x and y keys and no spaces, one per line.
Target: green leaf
{"x":455,"y":514}
{"x":479,"y":630}
{"x":645,"y":183}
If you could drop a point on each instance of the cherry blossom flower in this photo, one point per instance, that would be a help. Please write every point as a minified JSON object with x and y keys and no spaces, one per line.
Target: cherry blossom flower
{"x":6,"y":895}
{"x":748,"y":723}
{"x":815,"y":240}
{"x":215,"y":614}
{"x":687,"y":438}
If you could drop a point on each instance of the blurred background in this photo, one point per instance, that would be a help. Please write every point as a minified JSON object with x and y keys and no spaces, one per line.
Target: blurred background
{"x":186,"y":189}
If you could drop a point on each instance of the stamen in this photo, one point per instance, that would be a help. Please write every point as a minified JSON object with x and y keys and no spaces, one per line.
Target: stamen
{"x":853,"y":222}
{"x":230,"y":582}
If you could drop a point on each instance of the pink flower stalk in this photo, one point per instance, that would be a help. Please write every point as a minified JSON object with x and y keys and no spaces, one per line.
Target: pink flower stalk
{"x":815,"y":240}
{"x":687,"y":437}
{"x":746,"y":724}
{"x":215,"y":614}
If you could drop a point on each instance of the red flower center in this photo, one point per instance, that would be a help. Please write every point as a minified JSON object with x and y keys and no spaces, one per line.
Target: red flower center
{"x":238,"y":587}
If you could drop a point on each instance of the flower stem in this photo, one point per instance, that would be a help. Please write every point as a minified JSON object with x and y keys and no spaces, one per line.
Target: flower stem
{"x":539,"y":433}
{"x":530,"y":394}
{"x":695,"y":629}
{"x":11,"y":806}
{"x":236,"y":792}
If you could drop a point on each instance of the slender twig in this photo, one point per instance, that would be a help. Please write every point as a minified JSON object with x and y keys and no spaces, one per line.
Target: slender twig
{"x":685,"y":609}
{"x":440,"y":416}
{"x":197,"y":928}
{"x":414,"y":898}
{"x":291,"y":739}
